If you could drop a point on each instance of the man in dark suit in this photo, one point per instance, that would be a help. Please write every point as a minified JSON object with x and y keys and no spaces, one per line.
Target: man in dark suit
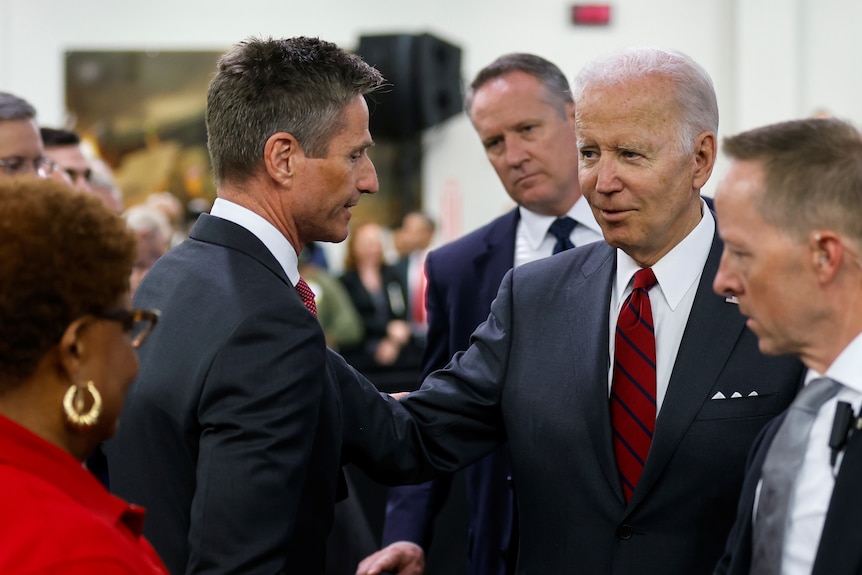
{"x":231,"y":435}
{"x":537,"y":170}
{"x":789,"y":215}
{"x":539,"y":372}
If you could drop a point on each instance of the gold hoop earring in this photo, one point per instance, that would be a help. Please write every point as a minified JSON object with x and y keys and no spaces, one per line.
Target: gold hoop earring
{"x":73,"y":406}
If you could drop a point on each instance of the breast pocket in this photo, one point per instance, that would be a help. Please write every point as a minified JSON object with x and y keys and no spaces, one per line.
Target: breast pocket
{"x":741,"y":407}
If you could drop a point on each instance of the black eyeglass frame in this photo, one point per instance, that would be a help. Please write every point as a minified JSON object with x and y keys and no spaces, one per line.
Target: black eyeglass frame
{"x":138,"y":323}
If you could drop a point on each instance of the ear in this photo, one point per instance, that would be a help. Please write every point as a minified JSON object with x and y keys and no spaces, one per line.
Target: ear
{"x":280,"y":155}
{"x":73,"y":348}
{"x":827,"y":252}
{"x":705,"y":151}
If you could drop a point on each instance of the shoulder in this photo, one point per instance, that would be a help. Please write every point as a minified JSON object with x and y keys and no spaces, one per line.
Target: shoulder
{"x":498,"y":232}
{"x":586,"y":259}
{"x":44,"y":529}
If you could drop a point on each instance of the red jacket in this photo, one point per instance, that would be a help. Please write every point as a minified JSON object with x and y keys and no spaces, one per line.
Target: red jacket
{"x":55,"y":517}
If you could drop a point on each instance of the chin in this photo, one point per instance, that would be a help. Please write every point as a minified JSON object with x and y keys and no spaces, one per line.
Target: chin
{"x":769,"y":347}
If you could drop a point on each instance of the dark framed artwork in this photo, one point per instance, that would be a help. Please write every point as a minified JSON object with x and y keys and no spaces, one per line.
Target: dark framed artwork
{"x":143,"y":112}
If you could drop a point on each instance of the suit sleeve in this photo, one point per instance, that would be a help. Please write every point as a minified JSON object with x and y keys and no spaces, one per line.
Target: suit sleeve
{"x":258,"y":414}
{"x":412,"y":509}
{"x":447,"y":424}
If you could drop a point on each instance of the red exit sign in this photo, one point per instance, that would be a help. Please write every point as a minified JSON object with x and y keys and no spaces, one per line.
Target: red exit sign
{"x":591,"y":14}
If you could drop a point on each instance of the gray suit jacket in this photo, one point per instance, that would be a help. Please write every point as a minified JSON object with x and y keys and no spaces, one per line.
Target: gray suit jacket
{"x":537,"y":375}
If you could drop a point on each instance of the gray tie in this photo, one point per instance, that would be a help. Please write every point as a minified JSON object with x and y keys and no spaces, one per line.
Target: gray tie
{"x":780,"y":468}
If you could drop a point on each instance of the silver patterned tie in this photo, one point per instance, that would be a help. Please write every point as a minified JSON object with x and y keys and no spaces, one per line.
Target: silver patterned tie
{"x":780,"y":469}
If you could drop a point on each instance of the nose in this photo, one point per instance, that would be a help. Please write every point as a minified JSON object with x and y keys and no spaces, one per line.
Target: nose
{"x":367,"y":181}
{"x":726,"y":282}
{"x":516,"y":150}
{"x":607,"y":179}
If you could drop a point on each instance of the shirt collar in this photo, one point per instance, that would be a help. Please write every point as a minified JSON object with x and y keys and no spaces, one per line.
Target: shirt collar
{"x":263,"y":230}
{"x":679,"y":268}
{"x":535,"y":226}
{"x":847,"y":367}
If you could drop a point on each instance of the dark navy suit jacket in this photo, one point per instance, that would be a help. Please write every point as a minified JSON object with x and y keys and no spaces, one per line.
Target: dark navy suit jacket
{"x":840,"y":551}
{"x":231,"y":434}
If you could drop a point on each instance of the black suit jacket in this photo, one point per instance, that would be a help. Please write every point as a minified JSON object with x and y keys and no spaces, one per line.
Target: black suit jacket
{"x":839,"y":552}
{"x":536,"y":374}
{"x":463,"y":278}
{"x":231,"y":433}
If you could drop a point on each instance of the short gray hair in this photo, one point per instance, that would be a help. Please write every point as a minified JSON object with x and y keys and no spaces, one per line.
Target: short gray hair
{"x":14,"y":108}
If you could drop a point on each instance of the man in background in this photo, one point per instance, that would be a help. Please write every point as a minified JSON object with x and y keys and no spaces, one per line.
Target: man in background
{"x":789,"y":214}
{"x":64,"y":147}
{"x":412,"y":240}
{"x":521,"y":107}
{"x":21,"y":150}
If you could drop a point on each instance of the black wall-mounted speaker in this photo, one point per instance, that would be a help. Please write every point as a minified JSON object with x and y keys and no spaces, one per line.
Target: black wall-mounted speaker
{"x":425,"y":76}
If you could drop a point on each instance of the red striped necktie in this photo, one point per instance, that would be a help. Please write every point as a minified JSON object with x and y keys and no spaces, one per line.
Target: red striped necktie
{"x":633,"y":390}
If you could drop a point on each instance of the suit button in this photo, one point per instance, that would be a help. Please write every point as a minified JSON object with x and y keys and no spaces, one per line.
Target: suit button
{"x":624,"y":531}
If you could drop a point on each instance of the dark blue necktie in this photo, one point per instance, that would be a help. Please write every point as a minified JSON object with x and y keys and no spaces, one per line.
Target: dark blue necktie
{"x":562,"y":230}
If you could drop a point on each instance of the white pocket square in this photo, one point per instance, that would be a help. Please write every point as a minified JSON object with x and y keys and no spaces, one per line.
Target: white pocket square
{"x":734,"y":395}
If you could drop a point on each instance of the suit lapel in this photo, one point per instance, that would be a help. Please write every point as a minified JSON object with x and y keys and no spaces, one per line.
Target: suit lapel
{"x":839,"y":550}
{"x":590,"y":360}
{"x":710,"y":335}
{"x":499,"y":255}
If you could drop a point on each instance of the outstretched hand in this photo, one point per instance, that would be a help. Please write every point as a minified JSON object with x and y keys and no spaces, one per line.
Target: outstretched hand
{"x":399,"y":558}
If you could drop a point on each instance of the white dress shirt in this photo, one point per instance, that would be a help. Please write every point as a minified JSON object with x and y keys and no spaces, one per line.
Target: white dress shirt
{"x":533,"y":242}
{"x":816,"y":480}
{"x":678,"y":274}
{"x":267,"y":233}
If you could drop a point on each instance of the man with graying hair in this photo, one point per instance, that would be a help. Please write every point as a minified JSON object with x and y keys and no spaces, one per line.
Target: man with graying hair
{"x":21,"y":150}
{"x":231,"y":435}
{"x":789,"y":213}
{"x":629,"y":392}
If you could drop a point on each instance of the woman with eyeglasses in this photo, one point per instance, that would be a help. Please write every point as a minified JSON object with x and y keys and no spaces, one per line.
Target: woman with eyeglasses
{"x":67,"y":359}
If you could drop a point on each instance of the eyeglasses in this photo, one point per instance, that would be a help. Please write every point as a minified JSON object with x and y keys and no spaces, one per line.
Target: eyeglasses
{"x":43,"y":166}
{"x":137,"y":323}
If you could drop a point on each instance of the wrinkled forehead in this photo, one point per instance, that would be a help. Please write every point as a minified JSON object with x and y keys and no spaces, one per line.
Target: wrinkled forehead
{"x":626,"y":112}
{"x":20,"y":138}
{"x":649,"y":92}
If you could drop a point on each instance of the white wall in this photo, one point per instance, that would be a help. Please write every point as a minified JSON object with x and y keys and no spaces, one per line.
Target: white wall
{"x":770,"y":59}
